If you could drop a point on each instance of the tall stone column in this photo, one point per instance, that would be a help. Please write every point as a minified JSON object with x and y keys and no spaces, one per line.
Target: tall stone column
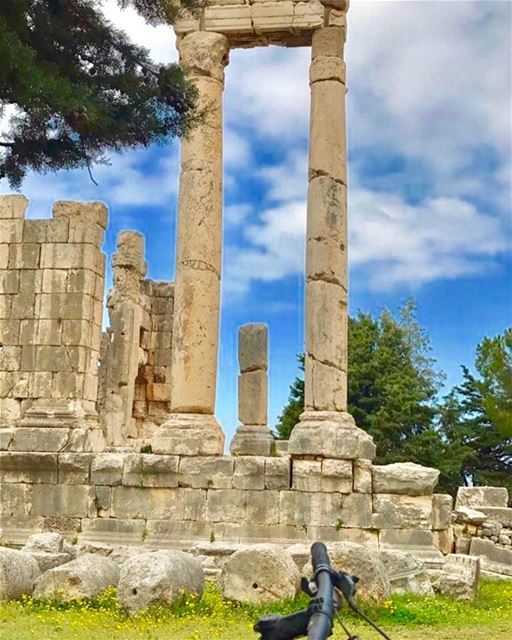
{"x":325,"y":427}
{"x":192,"y":428}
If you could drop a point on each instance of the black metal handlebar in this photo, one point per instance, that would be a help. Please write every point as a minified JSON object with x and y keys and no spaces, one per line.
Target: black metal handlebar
{"x":327,"y":589}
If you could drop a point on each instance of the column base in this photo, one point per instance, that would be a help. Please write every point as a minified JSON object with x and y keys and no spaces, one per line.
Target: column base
{"x":53,"y":426}
{"x":252,"y":440}
{"x":330,"y":434}
{"x":189,"y":434}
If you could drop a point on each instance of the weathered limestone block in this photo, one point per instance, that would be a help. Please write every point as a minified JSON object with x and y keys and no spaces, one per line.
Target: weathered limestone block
{"x":84,"y":212}
{"x":328,"y":390}
{"x":260,"y":573}
{"x":262,"y":507}
{"x":112,"y":531}
{"x":249,"y":473}
{"x":495,"y":560}
{"x":169,"y":533}
{"x":444,"y":540}
{"x":330,"y":434}
{"x":13,"y":207}
{"x":189,"y":434}
{"x":10,"y":411}
{"x":47,"y":542}
{"x":85,"y":577}
{"x":363,"y":562}
{"x":158,"y":578}
{"x":74,"y":468}
{"x":253,"y":347}
{"x":205,"y":472}
{"x":503,"y":515}
{"x":277,"y":473}
{"x":475,"y":497}
{"x":441,"y":510}
{"x":28,"y":467}
{"x":150,"y":470}
{"x":419,"y":542}
{"x":393,"y":511}
{"x":363,"y":482}
{"x":158,"y":503}
{"x":107,"y":468}
{"x":307,"y":475}
{"x":62,"y":500}
{"x":252,"y":397}
{"x":459,"y":578}
{"x":336,"y":475}
{"x":39,"y":439}
{"x":467,"y":515}
{"x":226,"y":505}
{"x":406,"y":573}
{"x":404,"y":478}
{"x":18,"y":573}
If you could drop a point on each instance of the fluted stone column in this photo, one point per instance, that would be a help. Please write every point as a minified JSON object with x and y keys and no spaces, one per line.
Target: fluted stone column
{"x":192,"y":428}
{"x":253,"y":437}
{"x":325,"y":427}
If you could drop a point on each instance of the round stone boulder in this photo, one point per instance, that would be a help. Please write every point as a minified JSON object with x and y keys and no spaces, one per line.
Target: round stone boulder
{"x":363,"y":562}
{"x":258,"y":574}
{"x":85,"y":577}
{"x":159,"y":577}
{"x":18,"y":573}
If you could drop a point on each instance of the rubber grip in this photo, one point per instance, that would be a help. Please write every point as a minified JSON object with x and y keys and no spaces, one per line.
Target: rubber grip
{"x":319,"y":555}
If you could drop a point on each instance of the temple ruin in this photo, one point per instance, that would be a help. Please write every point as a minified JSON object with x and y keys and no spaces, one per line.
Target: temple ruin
{"x":110,"y":436}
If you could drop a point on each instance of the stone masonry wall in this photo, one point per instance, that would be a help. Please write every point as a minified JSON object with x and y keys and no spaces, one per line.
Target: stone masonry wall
{"x":51,"y":303}
{"x":169,"y":501}
{"x":136,"y":352}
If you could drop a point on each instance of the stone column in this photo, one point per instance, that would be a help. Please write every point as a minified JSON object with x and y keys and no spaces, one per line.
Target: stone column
{"x":325,"y":427}
{"x":192,"y":428}
{"x":253,"y":437}
{"x":123,"y":351}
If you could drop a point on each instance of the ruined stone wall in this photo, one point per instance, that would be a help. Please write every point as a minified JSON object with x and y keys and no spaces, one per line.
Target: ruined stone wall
{"x":136,"y":352}
{"x":170,"y":501}
{"x":51,"y":303}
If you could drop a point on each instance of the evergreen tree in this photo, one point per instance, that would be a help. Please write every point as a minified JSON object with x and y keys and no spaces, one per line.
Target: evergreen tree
{"x":81,"y":88}
{"x":476,"y":418}
{"x":392,"y":384}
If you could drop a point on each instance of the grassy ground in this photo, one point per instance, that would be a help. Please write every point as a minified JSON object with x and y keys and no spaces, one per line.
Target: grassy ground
{"x":403,"y":618}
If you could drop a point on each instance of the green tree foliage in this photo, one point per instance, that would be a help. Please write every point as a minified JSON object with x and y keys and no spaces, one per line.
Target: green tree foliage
{"x":81,"y":88}
{"x":391,"y":383}
{"x":476,"y":419}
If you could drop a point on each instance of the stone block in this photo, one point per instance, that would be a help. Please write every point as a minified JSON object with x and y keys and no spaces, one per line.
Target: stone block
{"x":158,"y":503}
{"x":249,"y":472}
{"x":253,"y":347}
{"x":70,"y":500}
{"x":159,"y":470}
{"x":68,"y":386}
{"x":253,"y":397}
{"x":40,"y":439}
{"x":6,"y":436}
{"x":495,"y":560}
{"x":10,"y":281}
{"x":11,"y":231}
{"x":40,"y":384}
{"x":327,"y":68}
{"x":503,"y":515}
{"x":226,"y":505}
{"x":91,"y":212}
{"x":170,"y":533}
{"x":5,"y":306}
{"x":277,"y":473}
{"x":228,"y":19}
{"x":24,"y":256}
{"x":459,"y":578}
{"x":10,"y":411}
{"x":262,"y":507}
{"x":418,"y":542}
{"x":206,"y":472}
{"x":476,"y":497}
{"x":74,"y":468}
{"x":54,"y":281}
{"x":42,"y":231}
{"x":444,"y":540}
{"x":102,"y":498}
{"x":132,"y":470}
{"x":10,"y":358}
{"x":159,"y":392}
{"x":13,"y":207}
{"x":60,"y":255}
{"x":9,"y":331}
{"x":15,"y":501}
{"x":393,"y":511}
{"x":28,"y":467}
{"x":107,"y":469}
{"x":405,"y":478}
{"x":441,"y":510}
{"x":253,"y":533}
{"x":307,"y":475}
{"x":363,"y":476}
{"x":336,"y":475}
{"x":111,"y":531}
{"x":294,"y":508}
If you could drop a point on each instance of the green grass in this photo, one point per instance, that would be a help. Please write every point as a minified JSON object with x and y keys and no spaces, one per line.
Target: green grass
{"x":403,"y":617}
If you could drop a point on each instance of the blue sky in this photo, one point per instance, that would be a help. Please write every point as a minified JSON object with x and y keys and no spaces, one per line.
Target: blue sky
{"x":430,"y":181}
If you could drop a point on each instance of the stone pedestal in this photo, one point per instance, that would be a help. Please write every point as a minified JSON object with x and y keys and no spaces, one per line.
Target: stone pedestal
{"x":325,"y":428}
{"x":253,"y":436}
{"x":199,"y":247}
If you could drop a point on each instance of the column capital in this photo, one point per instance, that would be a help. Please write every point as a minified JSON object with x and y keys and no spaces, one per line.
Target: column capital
{"x":204,"y":53}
